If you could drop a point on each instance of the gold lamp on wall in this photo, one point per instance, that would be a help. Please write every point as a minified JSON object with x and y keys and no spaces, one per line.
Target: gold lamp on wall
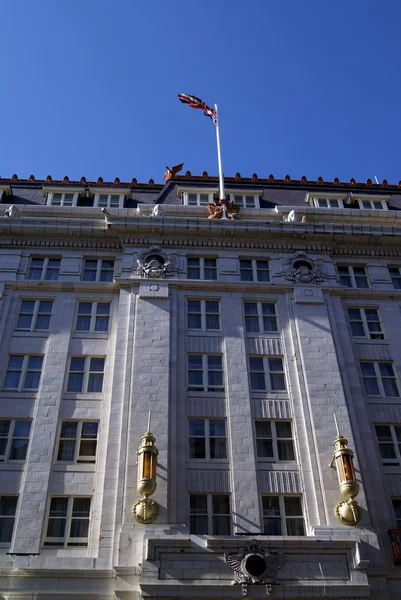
{"x":347,"y":511}
{"x":145,"y":510}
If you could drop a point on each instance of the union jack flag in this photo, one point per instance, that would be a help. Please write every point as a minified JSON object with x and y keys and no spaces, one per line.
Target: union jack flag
{"x":195,"y":102}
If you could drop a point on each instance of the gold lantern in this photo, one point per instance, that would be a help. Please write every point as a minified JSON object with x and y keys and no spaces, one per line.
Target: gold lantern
{"x":145,"y":510}
{"x":347,"y":511}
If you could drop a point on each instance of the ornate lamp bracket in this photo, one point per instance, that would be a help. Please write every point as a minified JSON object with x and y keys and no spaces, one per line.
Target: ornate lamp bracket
{"x":145,"y":511}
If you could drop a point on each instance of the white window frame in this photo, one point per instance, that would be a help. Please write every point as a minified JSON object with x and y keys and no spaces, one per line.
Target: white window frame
{"x":210,"y":514}
{"x":207,"y":439}
{"x":395,"y":277}
{"x":205,"y":374}
{"x":260,"y":317}
{"x":64,"y":542}
{"x":374,"y":335}
{"x":78,"y":459}
{"x":353,"y":277}
{"x":274,"y":439}
{"x":390,"y":462}
{"x":5,"y":458}
{"x":283,"y":517}
{"x":7,"y":544}
{"x":99,"y":269}
{"x":203,"y":313}
{"x":199,"y":193}
{"x":86,"y":374}
{"x":45,"y":267}
{"x":243,"y":203}
{"x":34,"y":314}
{"x":23,"y":372}
{"x":97,"y":204}
{"x":379,"y":378}
{"x":267,"y":372}
{"x":202,"y":268}
{"x":373,"y":203}
{"x":255,"y":269}
{"x":50,"y":198}
{"x":93,"y":317}
{"x":314,"y":200}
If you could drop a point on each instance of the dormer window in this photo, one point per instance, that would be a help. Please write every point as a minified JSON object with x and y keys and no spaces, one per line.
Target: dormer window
{"x":5,"y":191}
{"x":369,"y":204}
{"x":197,"y":198}
{"x":109,"y":200}
{"x":245,"y":200}
{"x":62,"y":198}
{"x":319,"y":202}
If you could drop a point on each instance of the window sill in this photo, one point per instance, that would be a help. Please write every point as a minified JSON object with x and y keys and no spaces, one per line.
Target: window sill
{"x":91,"y":334}
{"x":12,"y":465}
{"x":208,"y":332}
{"x":39,"y":334}
{"x":83,"y":396}
{"x":205,"y":463}
{"x":265,"y":465}
{"x":74,"y":467}
{"x":264,"y":334}
{"x":203,"y":394}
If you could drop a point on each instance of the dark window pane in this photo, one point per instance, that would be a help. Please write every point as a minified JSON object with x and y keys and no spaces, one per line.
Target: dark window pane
{"x":75,"y":382}
{"x":217,"y":427}
{"x":295,"y":527}
{"x":43,"y":322}
{"x":197,"y":427}
{"x":95,"y":383}
{"x":293,"y":507}
{"x":19,"y":449}
{"x":77,"y":363}
{"x":212,"y":322}
{"x":263,"y":428}
{"x":194,"y":322}
{"x":97,"y":364}
{"x":272,"y":526}
{"x":277,"y":381}
{"x":390,"y":387}
{"x":221,"y":504}
{"x":221,"y":526}
{"x":218,"y":449}
{"x":197,"y":448}
{"x":357,"y":329}
{"x":198,"y":525}
{"x":258,"y":381}
{"x":285,"y":450}
{"x":368,"y":369}
{"x":66,"y":450}
{"x":283,"y":429}
{"x":32,"y":381}
{"x":264,"y":448}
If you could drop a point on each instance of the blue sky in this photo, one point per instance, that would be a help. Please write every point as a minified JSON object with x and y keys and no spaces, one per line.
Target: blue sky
{"x":89,"y":87}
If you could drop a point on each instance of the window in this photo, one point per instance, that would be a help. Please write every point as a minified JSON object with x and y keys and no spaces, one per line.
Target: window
{"x":86,"y":374}
{"x":379,"y":379}
{"x":62,"y":199}
{"x":109,"y":200}
{"x":353,"y":276}
{"x":201,"y":268}
{"x":245,"y":200}
{"x":327,"y":202}
{"x":209,"y":514}
{"x":397,"y":511}
{"x":98,"y":269}
{"x":68,"y":522}
{"x":274,"y":440}
{"x":267,"y":374}
{"x":23,"y":372}
{"x":203,"y":315}
{"x":365,"y":322}
{"x":282,"y":515}
{"x":14,"y":439}
{"x":93,"y":317}
{"x":207,"y":439}
{"x":395,"y":275}
{"x":254,"y":270}
{"x":77,"y":442}
{"x":46,"y":269}
{"x":260,"y":317}
{"x":373,"y":204}
{"x":197,"y":198}
{"x":8,"y":507}
{"x":34,"y":315}
{"x":389,"y":440}
{"x":205,"y":373}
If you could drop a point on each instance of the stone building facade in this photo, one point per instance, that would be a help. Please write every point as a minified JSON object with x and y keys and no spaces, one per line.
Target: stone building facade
{"x":245,"y":338}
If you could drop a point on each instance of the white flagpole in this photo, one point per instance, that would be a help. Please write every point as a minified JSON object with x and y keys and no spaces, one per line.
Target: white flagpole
{"x":221,"y":178}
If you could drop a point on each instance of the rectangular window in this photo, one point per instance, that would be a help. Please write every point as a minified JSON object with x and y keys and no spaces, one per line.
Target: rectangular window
{"x":205,"y":373}
{"x":209,"y":514}
{"x":98,"y":270}
{"x":77,"y":441}
{"x":282,"y":515}
{"x":365,"y":322}
{"x":197,"y":198}
{"x":379,"y":379}
{"x":23,"y":372}
{"x":395,"y":275}
{"x":34,"y":315}
{"x":353,"y":276}
{"x":202,"y":268}
{"x":62,"y":199}
{"x":109,"y":200}
{"x":373,"y":204}
{"x":44,"y":269}
{"x":389,"y":440}
{"x":327,"y":202}
{"x":397,"y":511}
{"x":253,"y":269}
{"x":207,"y":439}
{"x":8,"y":507}
{"x":86,"y":374}
{"x":260,"y":317}
{"x":68,"y":522}
{"x":245,"y":200}
{"x":203,"y":314}
{"x":93,"y":317}
{"x":267,"y":374}
{"x":274,"y":440}
{"x":14,"y":439}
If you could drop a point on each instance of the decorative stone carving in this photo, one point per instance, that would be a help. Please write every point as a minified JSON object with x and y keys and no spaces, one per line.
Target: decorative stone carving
{"x":255,"y":565}
{"x":300,"y":268}
{"x":156,"y":263}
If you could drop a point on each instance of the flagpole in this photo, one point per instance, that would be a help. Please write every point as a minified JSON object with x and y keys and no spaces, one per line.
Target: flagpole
{"x":221,"y":178}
